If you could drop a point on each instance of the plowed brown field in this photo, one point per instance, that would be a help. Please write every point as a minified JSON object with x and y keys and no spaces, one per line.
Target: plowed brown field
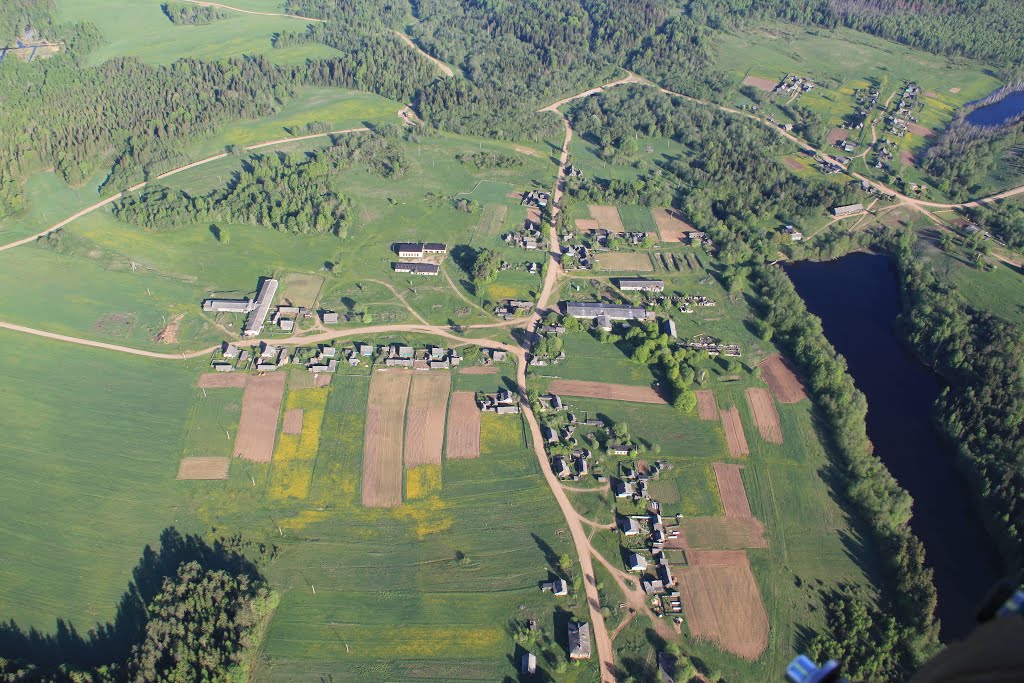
{"x":222,"y":380}
{"x":261,"y":407}
{"x":613,"y":392}
{"x":463,"y":427}
{"x":204,"y":468}
{"x":707,"y":409}
{"x":734,"y":435}
{"x":385,"y":425}
{"x":781,"y":380}
{"x":730,"y":488}
{"x":424,"y":420}
{"x":765,"y":415}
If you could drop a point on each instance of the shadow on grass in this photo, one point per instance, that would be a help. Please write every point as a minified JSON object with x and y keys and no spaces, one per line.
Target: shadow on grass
{"x":112,"y":641}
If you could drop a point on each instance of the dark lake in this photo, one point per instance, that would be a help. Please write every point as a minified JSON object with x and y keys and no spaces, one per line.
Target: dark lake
{"x":857,"y":298}
{"x":998,"y":112}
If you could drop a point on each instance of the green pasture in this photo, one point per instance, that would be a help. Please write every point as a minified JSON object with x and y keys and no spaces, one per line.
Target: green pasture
{"x":588,"y":359}
{"x":140,"y":29}
{"x":91,"y":446}
{"x":213,"y":423}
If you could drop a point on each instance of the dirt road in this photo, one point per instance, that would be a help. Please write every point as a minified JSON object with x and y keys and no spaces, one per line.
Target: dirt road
{"x":442,"y":67}
{"x":247,"y":11}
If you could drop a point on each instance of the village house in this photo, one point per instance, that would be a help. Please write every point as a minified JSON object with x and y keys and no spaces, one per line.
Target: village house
{"x":365,"y":350}
{"x":328,"y":367}
{"x":409,"y":250}
{"x":229,"y":350}
{"x":581,"y":466}
{"x":641,"y":285}
{"x":221,"y":366}
{"x":794,"y":234}
{"x":329,"y":317}
{"x":629,"y":526}
{"x":637,"y":563}
{"x":652,"y":587}
{"x":228,"y":305}
{"x":597,"y":309}
{"x":559,"y":468}
{"x":623,"y":489}
{"x":528,"y":666}
{"x":579,"y":640}
{"x":415,"y":268}
{"x":621,"y":449}
{"x":668,"y":326}
{"x":556,"y":586}
{"x":536,"y":198}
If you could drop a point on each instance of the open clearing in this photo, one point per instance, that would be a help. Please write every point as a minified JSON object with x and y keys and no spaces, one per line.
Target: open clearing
{"x":670,"y":224}
{"x":624,"y":260}
{"x":765,"y":415}
{"x":720,"y":533}
{"x":837,"y":134}
{"x":707,"y":408}
{"x":734,"y":436}
{"x":722,"y":602}
{"x":607,"y":217}
{"x":292,"y":423}
{"x":299,"y":289}
{"x":463,"y":427}
{"x":765,"y":84}
{"x":424,"y":432}
{"x":586,"y":224}
{"x":781,"y":380}
{"x":261,"y":405}
{"x":385,"y":423}
{"x":730,"y":488}
{"x":611,"y":392}
{"x":492,"y":220}
{"x":792,"y":164}
{"x":222,"y":380}
{"x":204,"y":468}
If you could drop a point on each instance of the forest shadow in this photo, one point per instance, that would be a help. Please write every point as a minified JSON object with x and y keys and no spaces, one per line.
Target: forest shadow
{"x":112,"y":641}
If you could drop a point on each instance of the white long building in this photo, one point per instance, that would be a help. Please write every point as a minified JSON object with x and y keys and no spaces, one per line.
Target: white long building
{"x":261,"y":308}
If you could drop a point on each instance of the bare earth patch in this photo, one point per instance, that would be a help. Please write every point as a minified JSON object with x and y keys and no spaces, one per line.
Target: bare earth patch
{"x":586,"y":224}
{"x":837,"y":134}
{"x":480,"y":370}
{"x":612,"y":392}
{"x":463,"y":427}
{"x":204,"y":468}
{"x":533,"y":215}
{"x":734,"y":435}
{"x":730,"y":488}
{"x":607,"y":217}
{"x":222,"y":380}
{"x":257,"y":428}
{"x":907,"y":157}
{"x":765,"y":84}
{"x":322,"y":380}
{"x":169,"y":335}
{"x":792,"y":164}
{"x":670,"y":224}
{"x":722,"y":601}
{"x":707,"y":409}
{"x":424,"y":418}
{"x":292,"y":423}
{"x":918,"y":129}
{"x":781,"y":380}
{"x":624,"y":260}
{"x":385,"y":425}
{"x":954,"y":90}
{"x":719,"y":533}
{"x":765,"y":415}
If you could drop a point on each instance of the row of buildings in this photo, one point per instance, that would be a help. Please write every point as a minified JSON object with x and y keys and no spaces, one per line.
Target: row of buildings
{"x":257,"y":309}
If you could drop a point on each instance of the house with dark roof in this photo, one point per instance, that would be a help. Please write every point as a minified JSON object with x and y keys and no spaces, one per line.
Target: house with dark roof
{"x":579,"y":640}
{"x":597,"y":309}
{"x":638,"y":284}
{"x":415,"y":268}
{"x":629,"y":526}
{"x":409,"y":249}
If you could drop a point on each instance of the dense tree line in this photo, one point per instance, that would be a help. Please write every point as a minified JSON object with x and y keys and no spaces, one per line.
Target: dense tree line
{"x":17,"y":15}
{"x":982,"y":408}
{"x":374,"y":59}
{"x":290,"y":193}
{"x":1005,"y":220}
{"x":679,"y":56}
{"x":964,"y":154}
{"x":487,"y":160}
{"x":729,"y":179}
{"x":190,"y":14}
{"x":992,"y":30}
{"x":387,"y":12}
{"x":864,"y":638}
{"x":875,"y":494}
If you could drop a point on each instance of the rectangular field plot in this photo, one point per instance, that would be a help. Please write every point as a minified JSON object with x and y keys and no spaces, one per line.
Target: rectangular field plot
{"x":222,"y":380}
{"x":212,"y":423}
{"x":385,"y":426}
{"x":463,"y":427}
{"x":299,"y":289}
{"x":607,"y":217}
{"x":613,"y":392}
{"x":424,"y":430}
{"x":624,"y":260}
{"x":292,"y":423}
{"x":734,"y":436}
{"x":261,"y":406}
{"x":720,"y":533}
{"x":671,"y":225}
{"x":204,"y":468}
{"x":707,"y":408}
{"x":782,"y":381}
{"x":722,"y":602}
{"x":638,"y":219}
{"x":765,"y":415}
{"x":291,"y":472}
{"x":730,"y":487}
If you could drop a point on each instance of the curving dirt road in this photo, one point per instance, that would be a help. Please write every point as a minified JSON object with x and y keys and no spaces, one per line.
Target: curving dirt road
{"x":249,"y":11}
{"x":442,"y":67}
{"x":113,"y":198}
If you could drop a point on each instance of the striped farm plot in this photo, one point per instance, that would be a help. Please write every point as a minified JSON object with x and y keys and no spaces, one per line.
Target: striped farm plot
{"x":424,"y":419}
{"x":385,"y":429}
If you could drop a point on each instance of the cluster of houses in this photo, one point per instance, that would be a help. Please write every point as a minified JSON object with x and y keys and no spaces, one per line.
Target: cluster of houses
{"x":502,"y":402}
{"x":713,"y":347}
{"x":257,"y":309}
{"x":430,"y":358}
{"x":529,"y":238}
{"x":513,"y":308}
{"x":601,"y":237}
{"x":418,"y":251}
{"x":576,"y":257}
{"x":828,"y":166}
{"x":537,"y":198}
{"x":898,"y":123}
{"x":848,"y":146}
{"x":794,"y":85}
